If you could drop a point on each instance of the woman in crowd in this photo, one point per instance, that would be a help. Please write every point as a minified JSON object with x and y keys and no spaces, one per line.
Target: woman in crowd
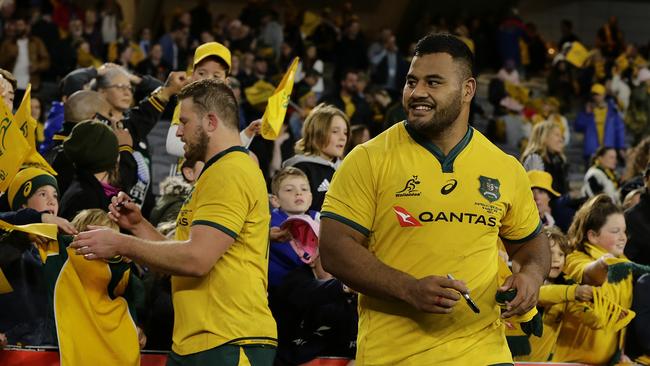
{"x":601,"y":176}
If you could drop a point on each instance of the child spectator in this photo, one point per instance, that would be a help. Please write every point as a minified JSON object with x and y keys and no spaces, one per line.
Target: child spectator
{"x":316,"y":314}
{"x":545,"y":151}
{"x":94,"y":299}
{"x":597,"y":236}
{"x":93,"y":149}
{"x":541,"y":183}
{"x":601,"y":176}
{"x":324,"y":136}
{"x":555,"y":296}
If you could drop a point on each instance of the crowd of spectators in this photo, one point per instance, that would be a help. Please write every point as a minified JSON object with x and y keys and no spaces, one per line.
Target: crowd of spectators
{"x":99,"y":87}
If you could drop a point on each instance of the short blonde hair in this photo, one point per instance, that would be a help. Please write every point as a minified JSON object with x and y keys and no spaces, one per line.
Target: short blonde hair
{"x":93,"y":216}
{"x":315,"y":130}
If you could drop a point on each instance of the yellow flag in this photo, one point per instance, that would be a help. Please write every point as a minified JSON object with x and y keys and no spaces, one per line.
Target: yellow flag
{"x":45,"y":230}
{"x":276,"y":108}
{"x":28,"y":125}
{"x":577,"y":54}
{"x":13,"y":147}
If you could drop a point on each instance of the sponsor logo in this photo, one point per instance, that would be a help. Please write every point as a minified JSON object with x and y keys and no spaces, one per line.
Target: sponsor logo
{"x":410,"y":188}
{"x":489,"y":188}
{"x":461,"y":217}
{"x":449,"y":187}
{"x":405,"y":218}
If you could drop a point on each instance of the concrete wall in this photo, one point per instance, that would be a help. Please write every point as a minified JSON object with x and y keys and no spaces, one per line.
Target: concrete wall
{"x":588,"y":17}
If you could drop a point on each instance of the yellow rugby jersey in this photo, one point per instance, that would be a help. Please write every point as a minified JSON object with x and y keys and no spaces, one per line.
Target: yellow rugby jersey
{"x":429,"y":214}
{"x":229,"y":304}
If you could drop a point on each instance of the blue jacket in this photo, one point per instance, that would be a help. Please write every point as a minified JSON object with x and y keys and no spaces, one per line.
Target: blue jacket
{"x":52,"y":126}
{"x":614,"y":135}
{"x":282,"y":259}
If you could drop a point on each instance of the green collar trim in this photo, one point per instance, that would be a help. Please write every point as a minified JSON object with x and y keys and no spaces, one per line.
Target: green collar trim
{"x":447,"y":162}
{"x":221,"y":155}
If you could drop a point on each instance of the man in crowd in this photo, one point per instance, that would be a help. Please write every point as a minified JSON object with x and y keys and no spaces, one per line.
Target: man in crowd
{"x":219,"y":255}
{"x":424,"y":203}
{"x":25,"y":56}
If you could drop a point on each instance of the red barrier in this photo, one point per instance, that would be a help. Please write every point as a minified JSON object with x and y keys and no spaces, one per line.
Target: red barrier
{"x":30,"y":357}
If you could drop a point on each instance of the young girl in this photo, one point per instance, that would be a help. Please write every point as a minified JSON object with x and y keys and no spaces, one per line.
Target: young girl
{"x":545,"y":151}
{"x":601,"y":176}
{"x":93,"y":302}
{"x":598,"y":238}
{"x":324,"y":136}
{"x":554,"y":297}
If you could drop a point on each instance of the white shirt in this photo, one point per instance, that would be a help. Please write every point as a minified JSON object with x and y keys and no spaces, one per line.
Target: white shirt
{"x":21,"y":68}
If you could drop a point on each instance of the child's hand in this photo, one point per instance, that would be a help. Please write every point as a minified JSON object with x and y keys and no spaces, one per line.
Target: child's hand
{"x":142,"y":338}
{"x":280,"y":235}
{"x":601,"y":260}
{"x":584,"y":293}
{"x":254,"y":128}
{"x":3,"y":340}
{"x":63,"y":224}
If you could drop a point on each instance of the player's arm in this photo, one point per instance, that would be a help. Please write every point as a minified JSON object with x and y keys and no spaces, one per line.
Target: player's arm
{"x":533,"y":259}
{"x":344,"y":255}
{"x":193,"y":257}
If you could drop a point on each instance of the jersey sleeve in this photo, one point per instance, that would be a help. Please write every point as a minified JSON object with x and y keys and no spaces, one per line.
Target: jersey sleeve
{"x":222,"y":201}
{"x":576,"y":262}
{"x":521,"y":221}
{"x":351,"y":195}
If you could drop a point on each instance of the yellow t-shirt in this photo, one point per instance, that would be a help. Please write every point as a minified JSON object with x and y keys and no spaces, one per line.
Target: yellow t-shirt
{"x":429,"y":214}
{"x":600,"y":114}
{"x":577,"y":342}
{"x":229,"y":304}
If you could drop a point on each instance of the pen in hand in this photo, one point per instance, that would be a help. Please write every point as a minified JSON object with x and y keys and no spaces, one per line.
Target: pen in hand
{"x":468,"y":300}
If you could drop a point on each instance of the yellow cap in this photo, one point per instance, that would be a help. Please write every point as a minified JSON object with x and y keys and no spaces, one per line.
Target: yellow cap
{"x":25,"y":183}
{"x":543,"y":180}
{"x":598,"y":89}
{"x":212,"y":49}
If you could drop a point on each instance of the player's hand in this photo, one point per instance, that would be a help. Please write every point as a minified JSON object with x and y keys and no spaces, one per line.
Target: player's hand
{"x":584,"y":293}
{"x":98,"y":243}
{"x":527,"y":287}
{"x":63,"y":224}
{"x":435,"y":294}
{"x":125,"y":212}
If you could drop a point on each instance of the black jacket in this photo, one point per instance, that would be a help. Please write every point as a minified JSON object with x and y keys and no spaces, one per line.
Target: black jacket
{"x":315,"y":318}
{"x":319,"y":172}
{"x":638,"y":228}
{"x":638,"y":334}
{"x":84,"y":192}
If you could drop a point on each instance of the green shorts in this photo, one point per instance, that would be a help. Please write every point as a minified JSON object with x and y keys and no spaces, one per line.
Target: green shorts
{"x":226,"y":355}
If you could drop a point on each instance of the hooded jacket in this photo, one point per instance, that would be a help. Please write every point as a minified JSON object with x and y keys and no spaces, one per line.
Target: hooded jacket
{"x":319,"y":173}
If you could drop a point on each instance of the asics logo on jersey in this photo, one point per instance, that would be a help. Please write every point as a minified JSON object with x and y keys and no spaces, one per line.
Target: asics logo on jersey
{"x":410,"y":188}
{"x":405,"y":218}
{"x":449,"y":187}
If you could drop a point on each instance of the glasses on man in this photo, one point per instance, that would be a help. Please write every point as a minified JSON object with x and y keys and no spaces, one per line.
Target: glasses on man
{"x":122,"y":87}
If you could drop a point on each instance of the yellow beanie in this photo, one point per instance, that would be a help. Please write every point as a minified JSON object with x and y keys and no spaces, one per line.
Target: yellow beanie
{"x":25,"y":183}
